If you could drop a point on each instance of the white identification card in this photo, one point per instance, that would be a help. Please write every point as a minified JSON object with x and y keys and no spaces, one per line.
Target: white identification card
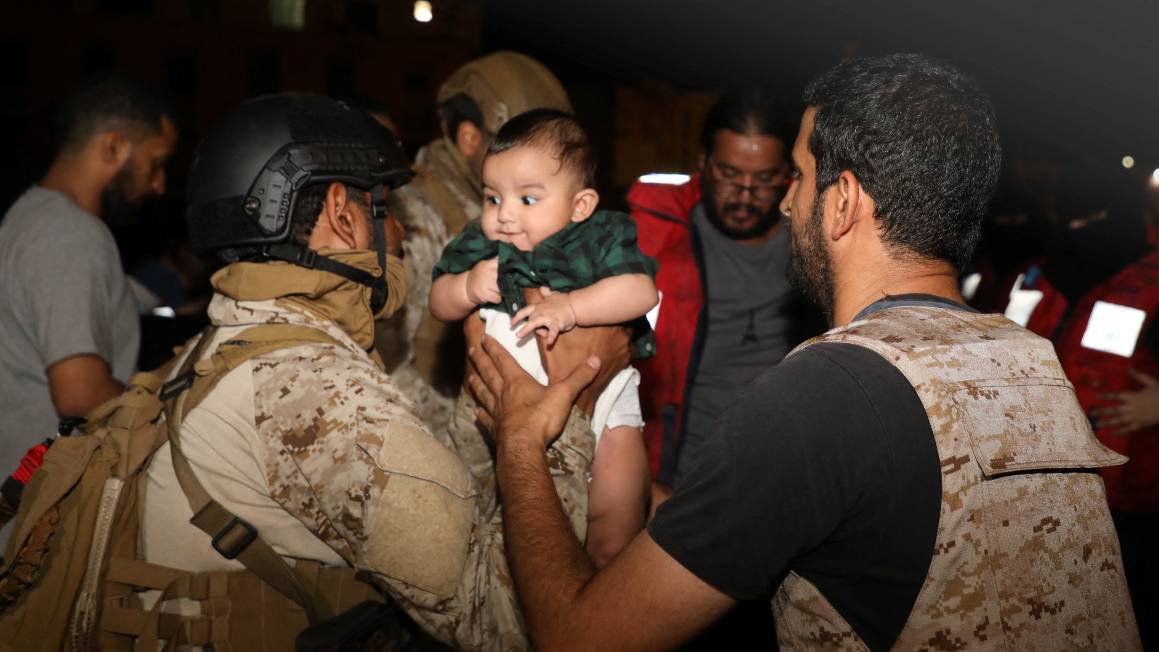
{"x":1114,"y":329}
{"x":1022,"y":303}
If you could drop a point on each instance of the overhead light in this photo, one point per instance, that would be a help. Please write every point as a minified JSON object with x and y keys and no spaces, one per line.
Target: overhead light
{"x":1155,"y":178}
{"x":1128,"y":161}
{"x":666,"y":179}
{"x":423,"y":11}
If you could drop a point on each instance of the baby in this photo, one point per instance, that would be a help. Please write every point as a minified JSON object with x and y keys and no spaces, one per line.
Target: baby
{"x":540,"y":229}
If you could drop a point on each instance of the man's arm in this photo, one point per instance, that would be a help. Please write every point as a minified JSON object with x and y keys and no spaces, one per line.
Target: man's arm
{"x":644,"y":599}
{"x":617,"y":494}
{"x":80,"y":383}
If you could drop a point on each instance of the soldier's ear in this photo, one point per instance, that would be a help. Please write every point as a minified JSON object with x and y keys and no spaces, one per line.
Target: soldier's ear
{"x":337,"y":218}
{"x":584,"y":202}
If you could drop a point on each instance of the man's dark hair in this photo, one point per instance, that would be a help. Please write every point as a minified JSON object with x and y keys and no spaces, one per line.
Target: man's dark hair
{"x":308,"y":205}
{"x":921,"y":137}
{"x":110,"y":100}
{"x":555,"y":130}
{"x":460,"y":108}
{"x":752,"y":111}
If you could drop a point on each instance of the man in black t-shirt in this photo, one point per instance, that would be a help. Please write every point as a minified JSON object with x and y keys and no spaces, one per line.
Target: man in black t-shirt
{"x":845,"y":482}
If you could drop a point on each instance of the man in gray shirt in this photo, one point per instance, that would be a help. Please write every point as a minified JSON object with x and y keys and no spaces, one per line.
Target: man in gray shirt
{"x":727,"y":312}
{"x":750,"y":328}
{"x":69,"y":333}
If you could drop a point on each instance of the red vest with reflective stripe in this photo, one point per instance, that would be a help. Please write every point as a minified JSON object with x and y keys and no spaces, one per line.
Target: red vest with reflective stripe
{"x":1134,"y":486}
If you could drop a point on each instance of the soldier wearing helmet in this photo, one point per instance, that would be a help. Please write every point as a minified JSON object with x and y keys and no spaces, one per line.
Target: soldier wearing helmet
{"x":446,"y":194}
{"x":312,"y":448}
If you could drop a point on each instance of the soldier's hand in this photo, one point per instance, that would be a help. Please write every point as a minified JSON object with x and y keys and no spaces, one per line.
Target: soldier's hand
{"x":483,"y":282}
{"x":473,"y":327}
{"x":513,"y":406}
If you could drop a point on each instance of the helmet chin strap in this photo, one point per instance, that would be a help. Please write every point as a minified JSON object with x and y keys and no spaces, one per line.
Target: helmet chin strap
{"x":379,"y":292}
{"x":305,"y":257}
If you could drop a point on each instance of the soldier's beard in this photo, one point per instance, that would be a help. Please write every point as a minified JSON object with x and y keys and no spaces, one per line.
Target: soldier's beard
{"x":810,"y":267}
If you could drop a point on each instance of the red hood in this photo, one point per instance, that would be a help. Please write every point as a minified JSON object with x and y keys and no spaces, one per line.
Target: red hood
{"x":671,"y":202}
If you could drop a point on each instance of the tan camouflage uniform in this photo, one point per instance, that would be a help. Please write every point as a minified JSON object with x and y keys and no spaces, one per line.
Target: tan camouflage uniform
{"x":443,"y":197}
{"x":346,"y":454}
{"x":1026,"y":556}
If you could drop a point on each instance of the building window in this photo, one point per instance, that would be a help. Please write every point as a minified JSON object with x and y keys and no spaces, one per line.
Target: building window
{"x":288,"y":14}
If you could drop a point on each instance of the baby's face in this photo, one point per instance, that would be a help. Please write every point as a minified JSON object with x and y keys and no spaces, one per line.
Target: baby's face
{"x":527,"y":197}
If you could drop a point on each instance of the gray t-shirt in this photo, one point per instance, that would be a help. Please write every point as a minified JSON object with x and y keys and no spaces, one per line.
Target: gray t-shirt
{"x":750,"y":325}
{"x":62,"y":293}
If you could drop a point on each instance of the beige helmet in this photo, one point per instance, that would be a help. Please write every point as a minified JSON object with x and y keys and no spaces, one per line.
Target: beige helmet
{"x":505,"y":84}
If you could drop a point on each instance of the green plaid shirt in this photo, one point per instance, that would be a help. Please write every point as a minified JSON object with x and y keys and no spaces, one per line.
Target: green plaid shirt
{"x":579,"y":255}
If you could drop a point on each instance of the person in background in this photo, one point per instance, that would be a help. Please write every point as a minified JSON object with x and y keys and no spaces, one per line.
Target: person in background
{"x":69,"y":333}
{"x":727,"y":312}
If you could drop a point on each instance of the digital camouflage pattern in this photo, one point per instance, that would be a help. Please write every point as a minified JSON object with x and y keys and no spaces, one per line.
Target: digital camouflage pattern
{"x":349,"y":456}
{"x":569,"y":460}
{"x":1026,"y":556}
{"x":424,"y":356}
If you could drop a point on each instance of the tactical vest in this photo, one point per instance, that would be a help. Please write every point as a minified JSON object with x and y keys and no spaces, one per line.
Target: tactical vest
{"x":1026,"y":556}
{"x":440,"y":349}
{"x":75,"y":571}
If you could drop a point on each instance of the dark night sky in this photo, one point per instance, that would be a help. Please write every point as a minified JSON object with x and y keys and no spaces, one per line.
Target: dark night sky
{"x":1071,"y":76}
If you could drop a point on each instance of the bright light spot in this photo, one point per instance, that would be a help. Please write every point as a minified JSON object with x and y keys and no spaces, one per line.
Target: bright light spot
{"x":423,"y":11}
{"x":164,"y":311}
{"x":1155,"y":178}
{"x":1128,"y":161}
{"x":666,"y":179}
{"x":970,"y":285}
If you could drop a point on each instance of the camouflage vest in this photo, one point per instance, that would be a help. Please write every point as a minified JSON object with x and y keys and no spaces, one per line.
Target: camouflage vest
{"x":75,"y":571}
{"x":1026,"y":556}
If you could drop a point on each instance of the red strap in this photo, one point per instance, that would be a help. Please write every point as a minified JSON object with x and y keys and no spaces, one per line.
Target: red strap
{"x":31,"y":462}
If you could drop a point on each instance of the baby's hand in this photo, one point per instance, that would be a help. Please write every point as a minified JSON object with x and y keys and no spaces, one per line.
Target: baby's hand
{"x":483,"y":282}
{"x":548,"y":318}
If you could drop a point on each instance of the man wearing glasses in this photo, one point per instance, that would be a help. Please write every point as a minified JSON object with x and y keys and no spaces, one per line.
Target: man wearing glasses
{"x":727,"y":312}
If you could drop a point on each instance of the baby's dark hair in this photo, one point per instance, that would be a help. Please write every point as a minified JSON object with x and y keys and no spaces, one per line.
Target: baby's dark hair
{"x":552,"y":129}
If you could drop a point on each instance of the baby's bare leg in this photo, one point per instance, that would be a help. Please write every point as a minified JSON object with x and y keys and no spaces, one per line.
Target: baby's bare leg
{"x":618,"y":493}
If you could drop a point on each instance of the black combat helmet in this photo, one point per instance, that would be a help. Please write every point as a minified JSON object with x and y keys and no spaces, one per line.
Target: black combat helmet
{"x":248,"y":170}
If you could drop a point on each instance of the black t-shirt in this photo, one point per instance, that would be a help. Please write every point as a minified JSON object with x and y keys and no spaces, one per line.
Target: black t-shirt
{"x":826,"y":465}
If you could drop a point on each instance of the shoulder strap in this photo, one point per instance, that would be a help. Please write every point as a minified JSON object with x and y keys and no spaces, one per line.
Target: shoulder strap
{"x":233,"y":537}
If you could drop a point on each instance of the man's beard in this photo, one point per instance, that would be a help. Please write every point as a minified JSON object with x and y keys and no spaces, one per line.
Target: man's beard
{"x":810,"y":268}
{"x":117,"y":199}
{"x":765,"y":221}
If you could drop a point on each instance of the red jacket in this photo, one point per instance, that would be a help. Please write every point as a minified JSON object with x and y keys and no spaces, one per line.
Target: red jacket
{"x":1135,"y":485}
{"x":663,"y":223}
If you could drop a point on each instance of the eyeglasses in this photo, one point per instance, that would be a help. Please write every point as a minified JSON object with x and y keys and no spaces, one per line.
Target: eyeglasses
{"x":725,"y":182}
